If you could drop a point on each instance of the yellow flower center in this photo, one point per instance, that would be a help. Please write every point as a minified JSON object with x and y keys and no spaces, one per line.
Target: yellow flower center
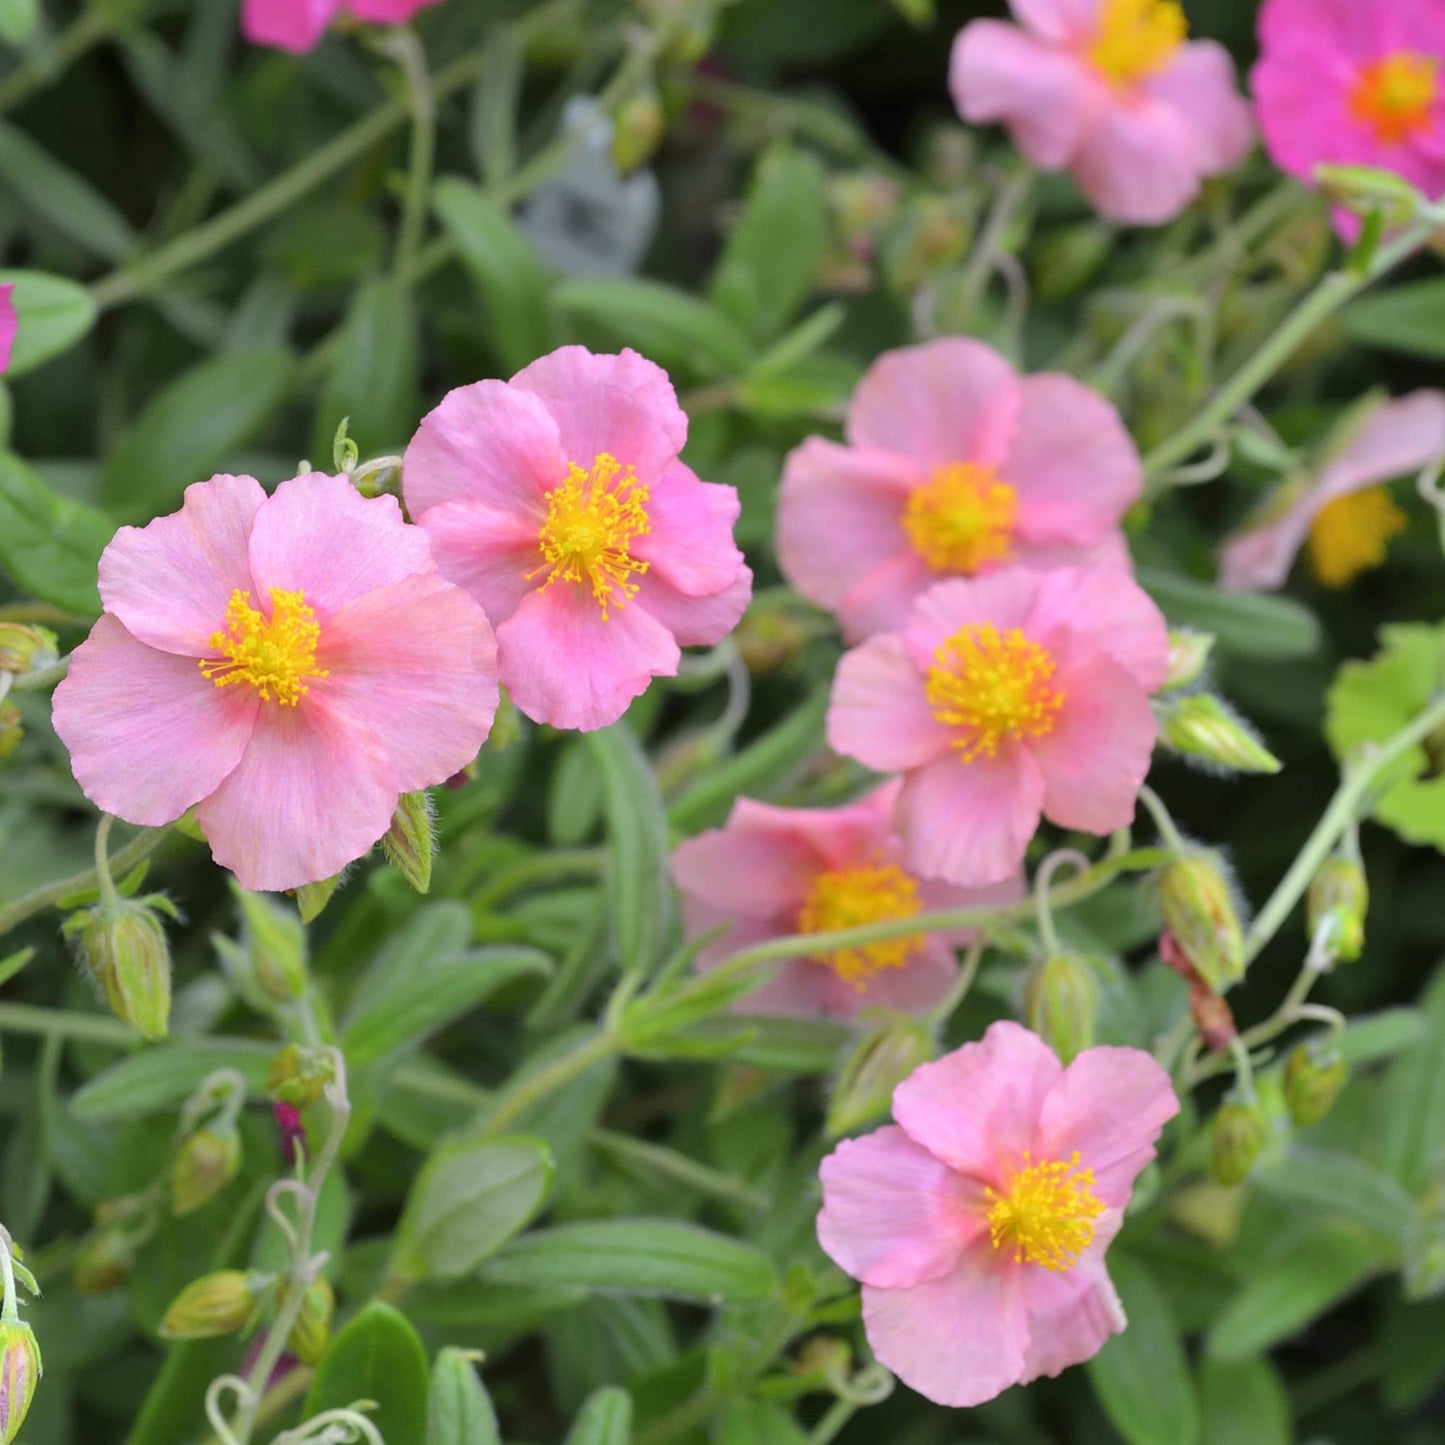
{"x":1047,"y":1216}
{"x":1136,"y":38}
{"x":276,"y":655}
{"x":962,"y":518}
{"x":1393,"y":96}
{"x":992,"y":688}
{"x":592,"y":519}
{"x":1350,"y":534}
{"x":850,"y":897}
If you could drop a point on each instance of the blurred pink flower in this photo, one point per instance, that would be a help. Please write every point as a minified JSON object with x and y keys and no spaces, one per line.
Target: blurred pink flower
{"x":1343,"y":517}
{"x":1110,"y":91}
{"x":298,"y":25}
{"x":1351,"y":83}
{"x":775,"y":871}
{"x":287,"y":665}
{"x":977,"y":1225}
{"x":558,"y":501}
{"x":7,"y":324}
{"x":955,"y":466}
{"x":1003,"y":698}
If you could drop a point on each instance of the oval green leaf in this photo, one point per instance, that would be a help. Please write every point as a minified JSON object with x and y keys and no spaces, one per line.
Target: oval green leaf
{"x":160,"y":1077}
{"x":50,"y":544}
{"x":605,"y":1419}
{"x":459,"y":1410}
{"x":1247,"y":624}
{"x":1244,"y":1403}
{"x":51,"y":313}
{"x":376,"y":1356}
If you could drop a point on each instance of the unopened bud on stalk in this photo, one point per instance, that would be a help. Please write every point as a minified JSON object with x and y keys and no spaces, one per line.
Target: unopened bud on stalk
{"x":1363,"y":189}
{"x":769,"y":638}
{"x":1313,"y":1078}
{"x":299,"y":1076}
{"x":26,"y":649}
{"x":215,"y":1304}
{"x":312,"y":898}
{"x":1061,"y":1003}
{"x":1188,"y":653}
{"x":124,"y":946}
{"x":103,"y":1261}
{"x":309,"y":1335}
{"x":20,"y":1372}
{"x":1235,"y":1139}
{"x":275,"y":945}
{"x":12,"y":733}
{"x":410,"y":842}
{"x":637,"y":128}
{"x":1199,"y":911}
{"x":1340,"y":893}
{"x":206,"y":1162}
{"x":1201,"y":726}
{"x":879,"y":1062}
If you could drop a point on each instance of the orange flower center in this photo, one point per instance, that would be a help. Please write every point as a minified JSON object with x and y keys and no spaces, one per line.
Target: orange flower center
{"x":1047,"y":1214}
{"x":992,"y":688}
{"x":592,"y":520}
{"x":962,"y":518}
{"x":1393,"y":96}
{"x":1350,"y":535}
{"x":851,"y":897}
{"x":1136,"y":38}
{"x":276,"y":655}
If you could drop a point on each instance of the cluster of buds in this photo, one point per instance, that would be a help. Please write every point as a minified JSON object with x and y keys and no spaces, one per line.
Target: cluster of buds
{"x":122,"y":945}
{"x":299,"y":1077}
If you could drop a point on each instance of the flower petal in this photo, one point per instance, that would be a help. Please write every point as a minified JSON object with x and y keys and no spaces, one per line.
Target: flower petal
{"x":1084,"y":611}
{"x":294,"y":25}
{"x":487,"y":553}
{"x":689,"y":544}
{"x":878,"y":713}
{"x":759,"y":865}
{"x":882,"y":600}
{"x":1200,"y":85}
{"x":1138,"y":162}
{"x":1396,"y":439}
{"x":1063,"y":21}
{"x":697,"y":621}
{"x":918,"y":984}
{"x":1071,"y":1313}
{"x":1006,"y":598}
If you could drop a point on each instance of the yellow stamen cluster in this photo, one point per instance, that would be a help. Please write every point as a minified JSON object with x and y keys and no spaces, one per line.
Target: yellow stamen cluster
{"x":1350,"y":535}
{"x":1047,"y":1215}
{"x":1395,"y":95}
{"x":962,"y":518}
{"x":592,"y":519}
{"x":851,"y":897}
{"x":992,"y":687}
{"x":1136,"y":38}
{"x":276,"y":655}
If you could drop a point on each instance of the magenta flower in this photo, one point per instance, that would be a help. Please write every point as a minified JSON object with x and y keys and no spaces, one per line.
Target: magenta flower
{"x":1004,"y":698}
{"x":775,"y":871}
{"x":8,"y":324}
{"x":1346,"y":83}
{"x":558,"y":501}
{"x":298,"y":25}
{"x":1343,"y":518}
{"x":977,"y":1225}
{"x":289,"y":666}
{"x":955,"y":467}
{"x":1110,"y":91}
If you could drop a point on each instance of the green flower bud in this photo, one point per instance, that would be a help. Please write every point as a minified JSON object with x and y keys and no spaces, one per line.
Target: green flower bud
{"x":12,"y":734}
{"x":215,"y":1304}
{"x":206,"y":1162}
{"x":636,"y":130}
{"x":1339,"y":891}
{"x":299,"y":1076}
{"x":275,"y":944}
{"x":1363,"y":189}
{"x":309,"y":1335}
{"x":879,"y":1062}
{"x":103,"y":1261}
{"x":312,"y":898}
{"x":1201,"y":726}
{"x":1313,"y":1079}
{"x":1067,"y":258}
{"x":26,"y":649}
{"x":124,"y":947}
{"x":1061,"y":1003}
{"x":20,"y":1372}
{"x":1235,"y":1139}
{"x":1199,"y":911}
{"x":410,"y":842}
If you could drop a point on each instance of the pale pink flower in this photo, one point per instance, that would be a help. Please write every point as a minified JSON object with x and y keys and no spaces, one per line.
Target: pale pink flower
{"x":1349,"y":83}
{"x":776,"y":871}
{"x":298,"y":25}
{"x":1004,"y":698}
{"x":289,"y":666}
{"x":1343,"y":517}
{"x":558,"y":501}
{"x":977,"y":1224}
{"x":955,"y":466}
{"x":7,"y":324}
{"x":1110,"y":91}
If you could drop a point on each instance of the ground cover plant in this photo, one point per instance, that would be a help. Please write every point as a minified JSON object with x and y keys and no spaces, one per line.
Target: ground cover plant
{"x":721,"y":722}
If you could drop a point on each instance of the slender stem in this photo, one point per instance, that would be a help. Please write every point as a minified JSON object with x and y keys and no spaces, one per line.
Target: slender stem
{"x":45,"y":677}
{"x":1162,"y":819}
{"x":10,"y":1310}
{"x":284,"y":1392}
{"x":141,"y":846}
{"x":967,"y":972}
{"x":678,"y":1167}
{"x":404,"y":48}
{"x":108,"y":895}
{"x":48,"y":63}
{"x":512,"y":1102}
{"x":839,"y":1413}
{"x":20,"y":1018}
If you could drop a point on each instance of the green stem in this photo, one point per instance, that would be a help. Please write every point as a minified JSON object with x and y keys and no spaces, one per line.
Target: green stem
{"x":403,"y":47}
{"x":48,"y":63}
{"x":45,"y":677}
{"x":1162,"y":820}
{"x":677,"y":1167}
{"x":108,"y":895}
{"x":23,"y":1018}
{"x":512,"y":1102}
{"x":141,"y":846}
{"x":839,"y":1413}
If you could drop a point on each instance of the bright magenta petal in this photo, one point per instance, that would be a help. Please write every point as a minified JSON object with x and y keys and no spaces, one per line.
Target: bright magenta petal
{"x":697,"y":621}
{"x":1200,"y":85}
{"x":689,"y":542}
{"x":294,"y":25}
{"x":148,"y":735}
{"x":493,"y":556}
{"x":1138,"y":163}
{"x":1085,"y":611}
{"x":878,"y":712}
{"x":7,"y":324}
{"x":388,"y":12}
{"x":170,"y":581}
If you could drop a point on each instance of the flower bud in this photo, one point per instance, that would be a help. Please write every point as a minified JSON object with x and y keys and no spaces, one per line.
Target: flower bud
{"x":124,"y":947}
{"x":1363,"y":189}
{"x":312,"y":898}
{"x":215,"y":1304}
{"x":410,"y":842}
{"x":275,"y":945}
{"x":206,"y":1162}
{"x":20,"y":1372}
{"x":1313,"y":1079}
{"x":299,"y":1077}
{"x":309,"y":1335}
{"x":769,"y":638}
{"x":1201,"y":726}
{"x":103,"y":1261}
{"x":1235,"y":1139}
{"x":637,"y":128}
{"x":879,"y":1062}
{"x":1066,"y":259}
{"x":26,"y":649}
{"x":1061,"y":1003}
{"x":1339,"y":892}
{"x":12,"y":733}
{"x":1199,"y":911}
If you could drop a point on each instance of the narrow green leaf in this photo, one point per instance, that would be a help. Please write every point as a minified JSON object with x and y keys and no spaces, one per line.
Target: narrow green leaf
{"x":1408,"y":318}
{"x":808,"y":336}
{"x":758,"y":1422}
{"x":50,"y":544}
{"x":1345,"y":1188}
{"x":605,"y":1419}
{"x":1246,"y":623}
{"x":1244,"y":1403}
{"x":161,"y":1076}
{"x":51,"y":314}
{"x":459,"y":1410}
{"x":1412,"y":1111}
{"x":65,"y":199}
{"x":1381,"y":1035}
{"x":496,"y":99}
{"x":376,"y":1356}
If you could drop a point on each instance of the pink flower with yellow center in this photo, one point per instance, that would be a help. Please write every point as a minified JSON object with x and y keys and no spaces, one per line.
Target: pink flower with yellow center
{"x":771,"y":872}
{"x":1344,"y":83}
{"x":288,"y":666}
{"x":1343,"y":517}
{"x":955,"y":466}
{"x":8,"y":324}
{"x":1112,"y":92}
{"x":1003,"y":699}
{"x":298,"y":25}
{"x":558,"y":501}
{"x":977,"y":1224}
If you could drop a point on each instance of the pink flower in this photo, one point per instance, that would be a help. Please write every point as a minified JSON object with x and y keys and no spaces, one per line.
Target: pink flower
{"x":7,"y":324}
{"x":776,"y":871}
{"x":1109,"y":91}
{"x":1343,"y":517}
{"x":298,"y":25}
{"x":1347,"y":83}
{"x":1003,"y":698}
{"x":558,"y":501}
{"x":977,"y":1225}
{"x":955,"y":466}
{"x":289,"y":666}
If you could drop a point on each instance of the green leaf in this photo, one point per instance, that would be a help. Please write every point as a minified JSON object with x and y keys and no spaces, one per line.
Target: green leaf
{"x":50,"y":544}
{"x":51,"y":313}
{"x":1412,"y":1106}
{"x":468,"y":1201}
{"x":1244,"y":1403}
{"x":413,"y":1007}
{"x":1371,"y":1037}
{"x":512,"y":283}
{"x":605,"y":1419}
{"x":1247,"y":624}
{"x":800,"y":343}
{"x":459,"y":1410}
{"x":639,"y":1256}
{"x":1412,"y":1346}
{"x":18,"y":19}
{"x":758,"y":1422}
{"x":161,"y":1076}
{"x":1408,"y":318}
{"x":1339,"y":1186}
{"x":638,"y":885}
{"x":376,"y":1356}
{"x":1141,"y":1376}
